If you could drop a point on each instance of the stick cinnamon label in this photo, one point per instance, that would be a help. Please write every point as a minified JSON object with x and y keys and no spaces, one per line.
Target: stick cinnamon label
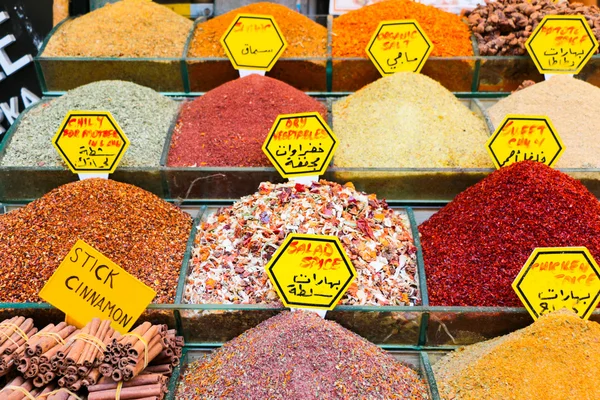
{"x":87,"y":285}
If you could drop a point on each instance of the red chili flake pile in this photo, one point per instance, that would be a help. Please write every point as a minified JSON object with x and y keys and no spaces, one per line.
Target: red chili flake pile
{"x":298,"y":355}
{"x":234,"y":245}
{"x":143,"y":234}
{"x":228,"y":125}
{"x":476,"y":245}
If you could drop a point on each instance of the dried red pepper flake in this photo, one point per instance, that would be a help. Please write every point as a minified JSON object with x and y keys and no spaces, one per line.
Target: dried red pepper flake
{"x":475,"y":246}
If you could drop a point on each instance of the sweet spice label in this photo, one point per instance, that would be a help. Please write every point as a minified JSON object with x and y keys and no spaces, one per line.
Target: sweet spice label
{"x":90,"y":142}
{"x":310,"y":271}
{"x":525,"y":137}
{"x":300,"y":145}
{"x":561,"y":44}
{"x":399,"y":46}
{"x":559,"y":277}
{"x":253,"y":42}
{"x":87,"y":285}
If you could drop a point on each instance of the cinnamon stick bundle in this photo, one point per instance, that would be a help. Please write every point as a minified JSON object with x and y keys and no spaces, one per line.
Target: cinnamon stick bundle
{"x":14,"y":333}
{"x":140,"y":387}
{"x":24,"y":389}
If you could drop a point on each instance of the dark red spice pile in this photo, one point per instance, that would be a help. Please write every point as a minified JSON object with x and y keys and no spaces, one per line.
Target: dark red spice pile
{"x":298,"y":355}
{"x":228,"y":125}
{"x":476,"y":245}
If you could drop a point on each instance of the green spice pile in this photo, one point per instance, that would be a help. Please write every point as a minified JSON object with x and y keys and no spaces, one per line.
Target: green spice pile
{"x":228,"y":125}
{"x":503,"y":26}
{"x":408,"y":120}
{"x":475,"y":246}
{"x":234,"y":245}
{"x":143,"y":234}
{"x":298,"y":355}
{"x":557,"y":357}
{"x":572,"y":106}
{"x":128,"y":28}
{"x":144,"y":116}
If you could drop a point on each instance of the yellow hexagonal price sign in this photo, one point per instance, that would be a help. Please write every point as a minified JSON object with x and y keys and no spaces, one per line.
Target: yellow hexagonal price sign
{"x":310,"y":271}
{"x":400,"y":45}
{"x":525,"y":137}
{"x":90,"y":142}
{"x":253,"y":42}
{"x":561,"y":44}
{"x":559,"y":277}
{"x":300,"y":144}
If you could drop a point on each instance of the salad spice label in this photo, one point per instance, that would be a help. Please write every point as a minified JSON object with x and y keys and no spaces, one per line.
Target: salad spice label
{"x":475,"y":246}
{"x":143,"y":234}
{"x":298,"y":355}
{"x":234,"y":245}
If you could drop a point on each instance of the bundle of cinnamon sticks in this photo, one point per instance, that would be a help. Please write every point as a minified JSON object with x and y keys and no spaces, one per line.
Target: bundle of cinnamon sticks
{"x":14,"y":334}
{"x":24,"y":389}
{"x":126,"y":357}
{"x":142,"y":387}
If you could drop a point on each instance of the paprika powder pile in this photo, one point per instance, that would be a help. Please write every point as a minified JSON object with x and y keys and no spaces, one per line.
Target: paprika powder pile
{"x":228,"y":125}
{"x":353,"y":31}
{"x":475,"y":246}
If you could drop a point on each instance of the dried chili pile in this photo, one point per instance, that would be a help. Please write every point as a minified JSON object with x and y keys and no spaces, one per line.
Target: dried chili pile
{"x":228,"y":125}
{"x":557,"y":357}
{"x":305,"y":37}
{"x":233,"y":246}
{"x":298,"y":355}
{"x":128,"y":28}
{"x":476,"y":245}
{"x":353,"y":31}
{"x":143,"y":234}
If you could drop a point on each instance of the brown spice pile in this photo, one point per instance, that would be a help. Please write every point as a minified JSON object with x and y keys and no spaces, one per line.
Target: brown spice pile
{"x":228,"y":125}
{"x":305,"y":37}
{"x":143,"y":234}
{"x":502,"y":27}
{"x":353,"y":31}
{"x":298,"y":355}
{"x":557,"y":357}
{"x":129,"y":28}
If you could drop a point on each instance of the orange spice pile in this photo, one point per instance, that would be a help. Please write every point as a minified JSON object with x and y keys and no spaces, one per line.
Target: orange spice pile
{"x":448,"y":33}
{"x":305,"y":37}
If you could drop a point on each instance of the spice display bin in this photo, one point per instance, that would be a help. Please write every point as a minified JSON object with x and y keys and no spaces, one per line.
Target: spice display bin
{"x":416,"y":360}
{"x":59,"y":74}
{"x":308,"y":74}
{"x":217,"y":323}
{"x":23,"y":184}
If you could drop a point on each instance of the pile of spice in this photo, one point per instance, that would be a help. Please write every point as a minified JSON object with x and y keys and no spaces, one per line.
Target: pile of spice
{"x":228,"y":125}
{"x":476,"y":245}
{"x":502,"y":27}
{"x":299,"y":355}
{"x":234,"y":245}
{"x":353,"y":31}
{"x":128,"y":28}
{"x":571,"y":105}
{"x":408,"y":120}
{"x":143,"y":234}
{"x":144,"y":116}
{"x":560,"y":346}
{"x":305,"y":37}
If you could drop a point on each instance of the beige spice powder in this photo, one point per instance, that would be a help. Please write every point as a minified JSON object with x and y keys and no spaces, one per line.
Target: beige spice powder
{"x":129,"y":28}
{"x":408,"y":120}
{"x":572,"y":105}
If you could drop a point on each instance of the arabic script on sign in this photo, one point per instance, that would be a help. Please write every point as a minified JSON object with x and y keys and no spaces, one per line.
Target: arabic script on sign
{"x":561,"y":44}
{"x":559,"y":277}
{"x":310,"y":271}
{"x":300,"y":144}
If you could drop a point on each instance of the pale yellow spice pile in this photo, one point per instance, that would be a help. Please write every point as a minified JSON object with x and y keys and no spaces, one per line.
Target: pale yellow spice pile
{"x":129,"y":28}
{"x":557,"y":358}
{"x":573,"y":107}
{"x":408,"y":120}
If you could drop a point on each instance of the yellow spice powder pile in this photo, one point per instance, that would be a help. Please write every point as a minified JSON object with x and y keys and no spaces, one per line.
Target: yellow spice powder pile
{"x":129,"y":28}
{"x":557,"y":357}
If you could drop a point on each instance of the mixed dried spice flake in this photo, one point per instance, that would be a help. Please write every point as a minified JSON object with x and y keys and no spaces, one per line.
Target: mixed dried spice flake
{"x":298,"y":355}
{"x":233,"y":246}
